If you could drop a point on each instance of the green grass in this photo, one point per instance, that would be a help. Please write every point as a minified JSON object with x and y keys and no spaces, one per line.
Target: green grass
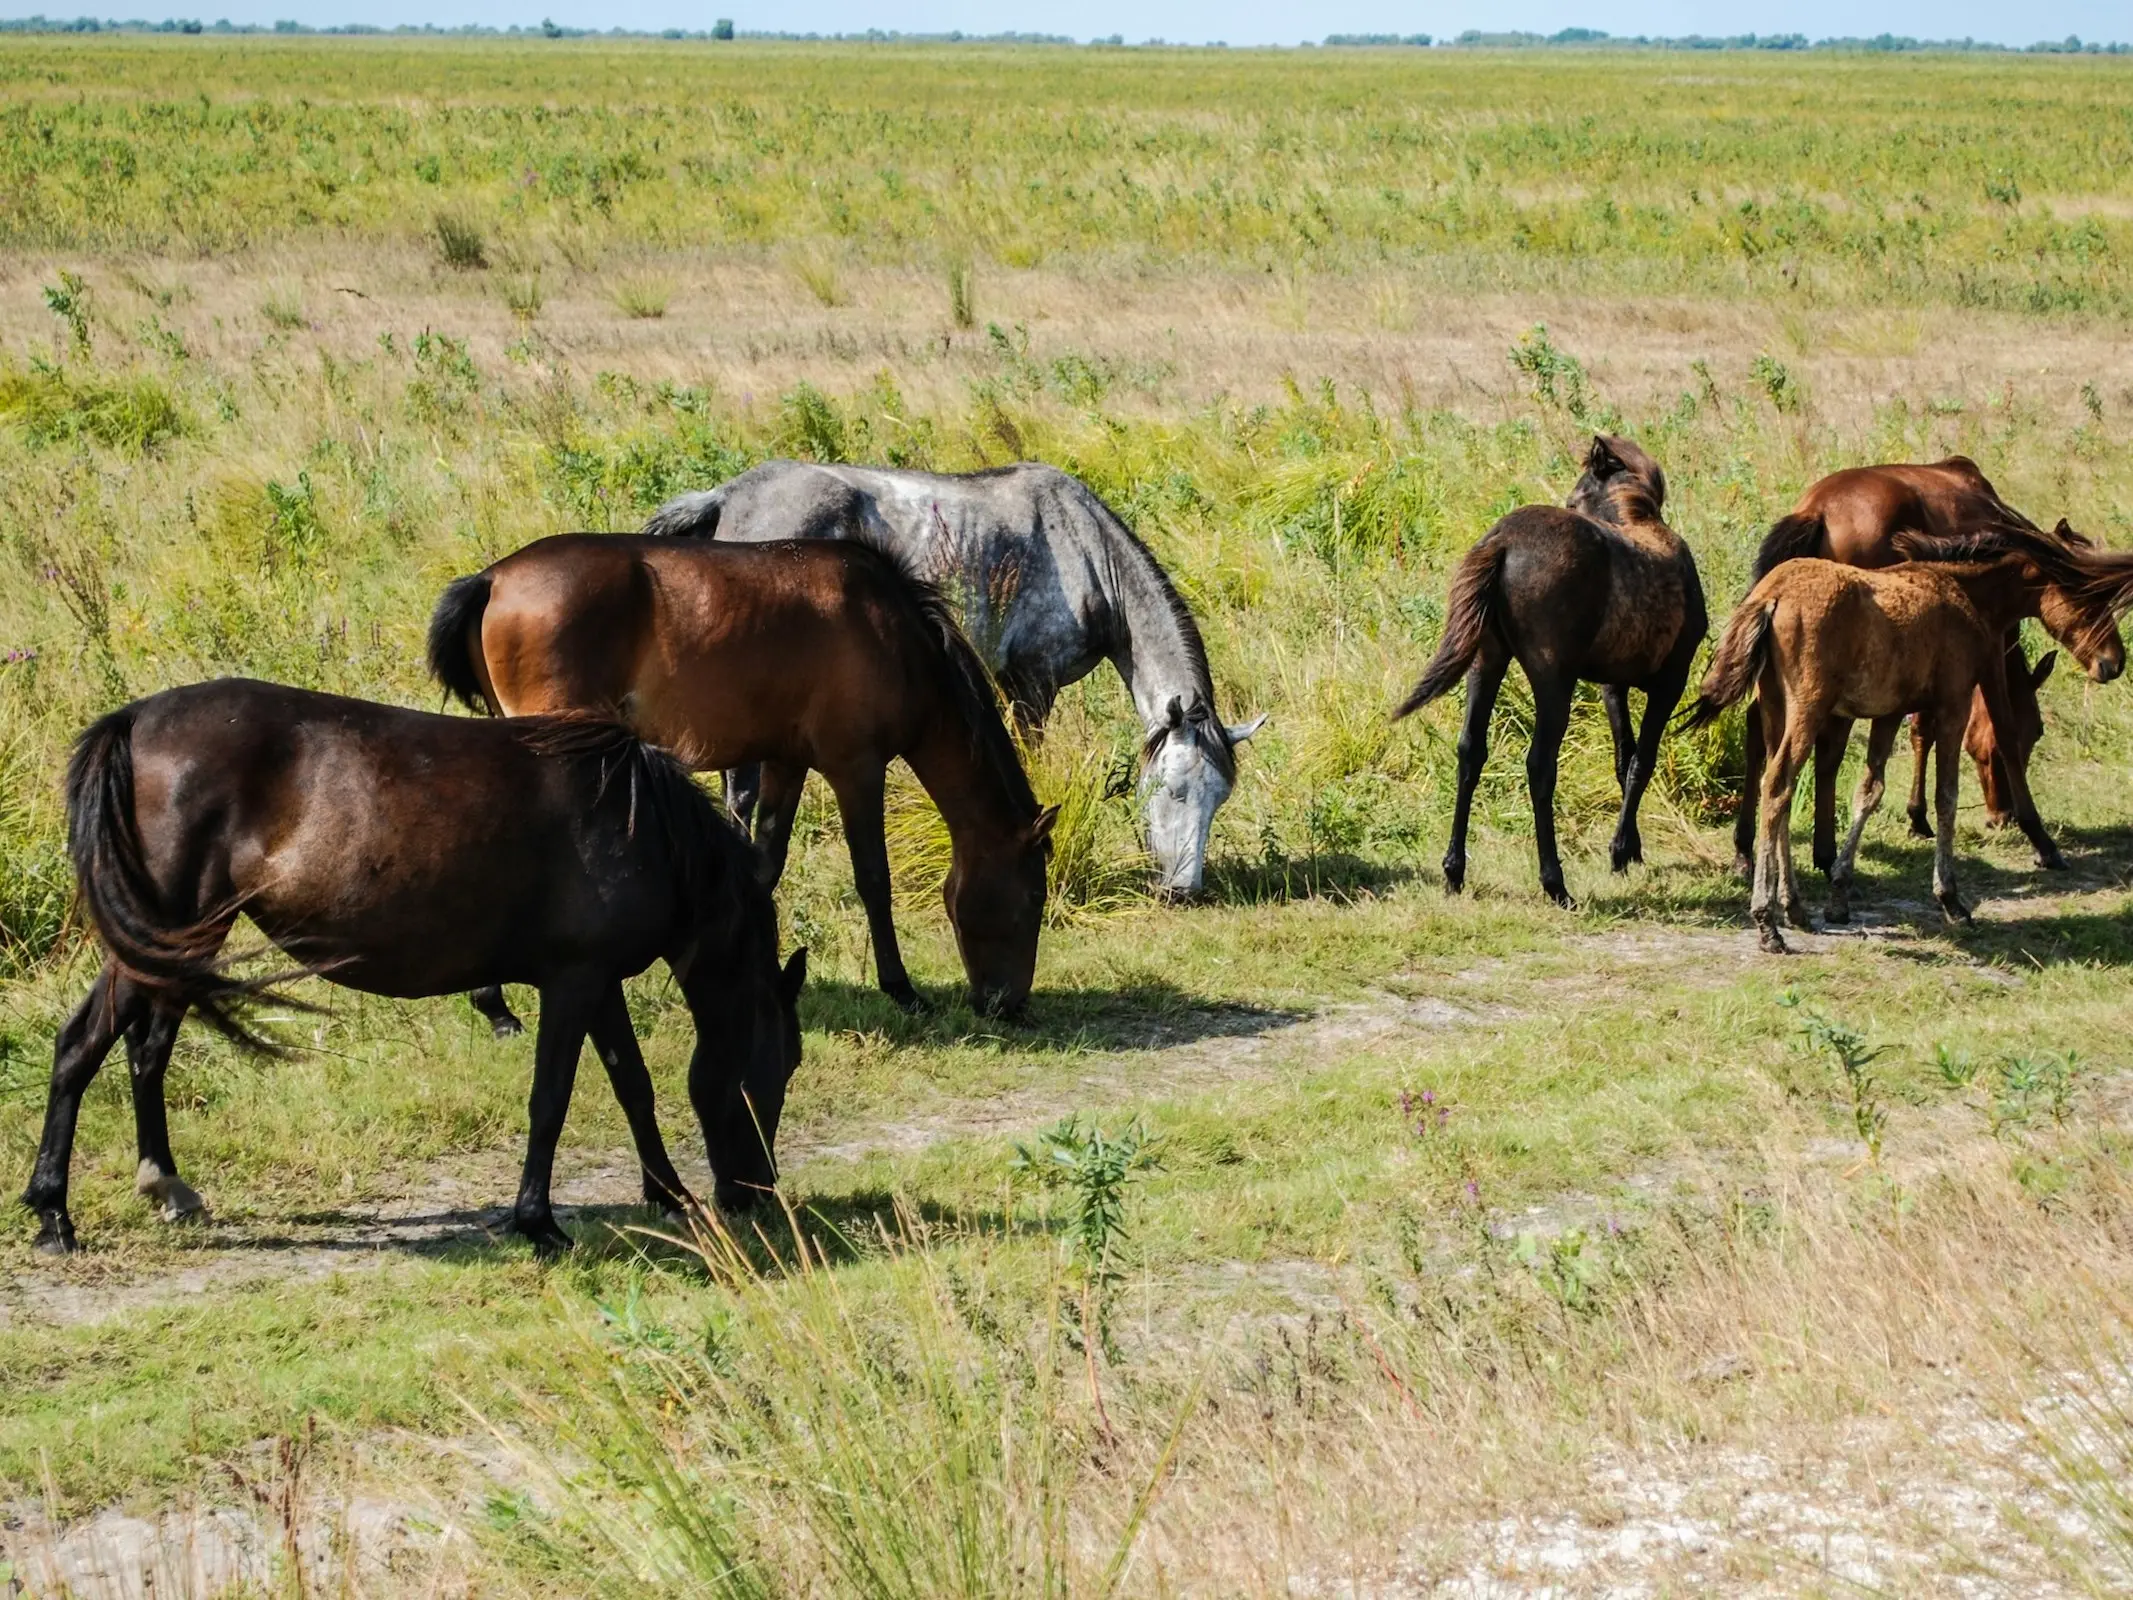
{"x":208,"y":465}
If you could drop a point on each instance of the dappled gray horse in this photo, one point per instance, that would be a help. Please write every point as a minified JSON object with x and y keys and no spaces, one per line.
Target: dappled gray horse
{"x":1048,"y":581}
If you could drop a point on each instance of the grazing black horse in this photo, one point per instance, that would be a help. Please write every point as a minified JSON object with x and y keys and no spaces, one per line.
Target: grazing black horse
{"x":1601,"y":591}
{"x":407,"y":854}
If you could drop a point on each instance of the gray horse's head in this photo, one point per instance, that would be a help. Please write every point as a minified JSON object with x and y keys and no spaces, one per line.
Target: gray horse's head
{"x":1188,"y":767}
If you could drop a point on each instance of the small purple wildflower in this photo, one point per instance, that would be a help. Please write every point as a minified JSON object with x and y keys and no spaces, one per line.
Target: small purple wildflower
{"x":15,"y":657}
{"x":1473,"y":1192}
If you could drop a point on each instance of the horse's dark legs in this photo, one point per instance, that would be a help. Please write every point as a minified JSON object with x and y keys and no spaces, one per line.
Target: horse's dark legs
{"x":2024,"y":806}
{"x":1659,"y":703}
{"x":490,"y":1003}
{"x":1751,"y":796}
{"x":1829,"y":759}
{"x":567,"y":1010}
{"x":112,"y":1006}
{"x":616,"y":1042}
{"x":859,"y":802}
{"x":744,"y":787}
{"x":777,"y":803}
{"x":1866,"y":800}
{"x":1921,"y":742}
{"x":1482,"y":682}
{"x":1616,"y":699}
{"x":148,"y":1046}
{"x":1551,"y":718}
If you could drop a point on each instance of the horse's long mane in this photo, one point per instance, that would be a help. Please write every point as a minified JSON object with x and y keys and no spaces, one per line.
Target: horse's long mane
{"x":2091,"y":575}
{"x":711,"y":862}
{"x":969,"y":685}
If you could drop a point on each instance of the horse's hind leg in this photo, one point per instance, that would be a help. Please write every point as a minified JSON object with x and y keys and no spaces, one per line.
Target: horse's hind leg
{"x":1551,"y":719}
{"x":490,"y":1003}
{"x":1788,"y":749}
{"x":112,"y":1006}
{"x":1659,"y":703}
{"x":1482,"y":683}
{"x":859,"y":803}
{"x":1947,"y":779}
{"x":1866,"y":800}
{"x":1829,"y":761}
{"x":616,"y":1042}
{"x":777,"y":803}
{"x":1751,"y":794}
{"x":744,"y":787}
{"x":148,"y":1046}
{"x":1921,"y":745}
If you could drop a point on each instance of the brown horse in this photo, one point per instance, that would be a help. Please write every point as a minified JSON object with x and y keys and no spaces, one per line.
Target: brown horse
{"x":800,"y":655}
{"x":402,"y":853}
{"x":1854,"y":517}
{"x":1822,"y":643}
{"x":1603,"y":591}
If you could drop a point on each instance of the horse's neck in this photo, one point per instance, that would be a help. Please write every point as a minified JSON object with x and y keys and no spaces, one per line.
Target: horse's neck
{"x":1651,"y":539}
{"x":1156,"y":651}
{"x":2000,"y":598}
{"x":978,"y":807}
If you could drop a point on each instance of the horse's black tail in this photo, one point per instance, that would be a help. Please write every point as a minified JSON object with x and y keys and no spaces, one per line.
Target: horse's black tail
{"x":1797,"y":534}
{"x":688,"y":516}
{"x":1735,"y":664}
{"x":452,"y":643}
{"x":1467,"y":616}
{"x":111,"y":872}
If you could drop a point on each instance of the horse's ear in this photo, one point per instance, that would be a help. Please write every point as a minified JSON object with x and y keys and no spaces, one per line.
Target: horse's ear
{"x":1244,"y":730}
{"x":1602,"y":462}
{"x":2043,"y":669}
{"x":2065,"y":530}
{"x":1040,"y":831}
{"x":794,"y":978}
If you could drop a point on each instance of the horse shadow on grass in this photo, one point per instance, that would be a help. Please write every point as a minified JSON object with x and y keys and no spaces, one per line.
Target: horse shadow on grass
{"x":1148,"y":1013}
{"x":1337,"y":875}
{"x":1899,"y":888}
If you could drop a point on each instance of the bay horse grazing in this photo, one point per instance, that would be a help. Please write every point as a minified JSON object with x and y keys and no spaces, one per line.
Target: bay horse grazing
{"x":1602,"y":591}
{"x":407,"y":854}
{"x":801,"y":655}
{"x":1821,"y":644}
{"x":1855,"y":517}
{"x":1048,"y":582}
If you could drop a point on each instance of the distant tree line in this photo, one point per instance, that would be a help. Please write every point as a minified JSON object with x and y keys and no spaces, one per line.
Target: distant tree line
{"x":1473,"y":38}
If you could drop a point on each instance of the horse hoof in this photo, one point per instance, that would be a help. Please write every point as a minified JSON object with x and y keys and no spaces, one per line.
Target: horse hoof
{"x":1956,"y":913}
{"x":175,"y":1199}
{"x":1837,"y":916}
{"x":56,"y":1242}
{"x":1771,"y":942}
{"x":1743,"y":868}
{"x":1623,"y":854}
{"x":1920,"y":828}
{"x":506,"y":1026}
{"x":2051,"y":861}
{"x":1561,"y":896}
{"x":547,"y":1238}
{"x":909,"y":1001}
{"x":1454,"y":877}
{"x":1799,"y":916}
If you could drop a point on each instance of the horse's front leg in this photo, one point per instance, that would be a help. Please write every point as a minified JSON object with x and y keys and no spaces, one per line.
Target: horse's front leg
{"x":1788,"y":748}
{"x":1866,"y":800}
{"x":2000,"y":709}
{"x":1551,"y":719}
{"x":567,"y":1009}
{"x":1829,"y":761}
{"x":1482,"y":683}
{"x":744,"y":787}
{"x":778,"y":802}
{"x":1659,"y":702}
{"x":859,"y":802}
{"x":1947,"y":779}
{"x":1616,"y":699}
{"x":616,"y":1042}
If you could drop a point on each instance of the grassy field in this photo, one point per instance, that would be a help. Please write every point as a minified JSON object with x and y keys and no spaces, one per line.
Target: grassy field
{"x":1429,"y":1243}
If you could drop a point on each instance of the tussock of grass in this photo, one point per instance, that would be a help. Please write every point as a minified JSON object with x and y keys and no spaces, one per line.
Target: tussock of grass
{"x":644,"y":296}
{"x":134,"y":413}
{"x":460,"y":242}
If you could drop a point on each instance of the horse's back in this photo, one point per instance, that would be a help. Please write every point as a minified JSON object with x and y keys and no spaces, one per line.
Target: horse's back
{"x":1580,"y":596}
{"x":418,"y":852}
{"x":1864,"y":508}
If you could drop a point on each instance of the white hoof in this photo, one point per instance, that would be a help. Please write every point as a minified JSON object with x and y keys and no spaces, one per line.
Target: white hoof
{"x":176,"y":1198}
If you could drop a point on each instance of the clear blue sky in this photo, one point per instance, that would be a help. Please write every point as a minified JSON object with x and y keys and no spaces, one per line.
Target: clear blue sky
{"x":1191,"y":21}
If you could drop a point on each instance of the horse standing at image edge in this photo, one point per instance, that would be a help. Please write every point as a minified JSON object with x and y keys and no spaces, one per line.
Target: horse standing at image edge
{"x":403,"y":853}
{"x":1049,"y":581}
{"x":1600,"y":590}
{"x":801,"y":655}
{"x":1855,"y":517}
{"x":1822,"y":644}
